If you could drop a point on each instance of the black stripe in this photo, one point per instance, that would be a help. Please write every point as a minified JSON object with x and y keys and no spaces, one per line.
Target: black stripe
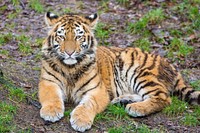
{"x":149,"y":92}
{"x":187,"y":96}
{"x":134,"y":74}
{"x":92,"y":42}
{"x":183,"y":89}
{"x":117,"y":79}
{"x":110,"y":93}
{"x":159,"y":92}
{"x":52,"y":75}
{"x":52,"y":82}
{"x":145,"y":60}
{"x":121,"y":64}
{"x":132,"y":63}
{"x":176,"y":83}
{"x":49,"y":41}
{"x":147,"y":73}
{"x":150,"y":84}
{"x":86,"y":83}
{"x":198,"y":99}
{"x":139,"y":84}
{"x":91,"y":88}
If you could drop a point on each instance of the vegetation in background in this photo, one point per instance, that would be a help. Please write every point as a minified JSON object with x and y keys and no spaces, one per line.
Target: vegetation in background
{"x":7,"y":112}
{"x":102,"y":32}
{"x":144,"y":44}
{"x":195,"y":84}
{"x":179,"y":48}
{"x":4,"y":38}
{"x":24,"y":44}
{"x":154,"y":16}
{"x":36,"y":5}
{"x":177,"y":107}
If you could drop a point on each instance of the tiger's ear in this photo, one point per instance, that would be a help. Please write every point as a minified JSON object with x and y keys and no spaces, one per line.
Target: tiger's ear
{"x":93,"y":19}
{"x":51,"y":19}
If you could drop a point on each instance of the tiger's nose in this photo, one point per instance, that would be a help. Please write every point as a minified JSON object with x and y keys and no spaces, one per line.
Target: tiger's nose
{"x":69,"y":52}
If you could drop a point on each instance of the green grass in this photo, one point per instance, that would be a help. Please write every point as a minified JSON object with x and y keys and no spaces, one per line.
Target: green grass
{"x":152,"y":17}
{"x":190,"y":120}
{"x":115,"y":130}
{"x":195,"y":84}
{"x":145,"y":129}
{"x":143,"y":44}
{"x":178,"y":48}
{"x":67,"y":10}
{"x":67,"y":113}
{"x":7,"y":112}
{"x":4,"y":52}
{"x":36,"y":5}
{"x":23,"y":43}
{"x":102,"y":32}
{"x":17,"y":94}
{"x":177,"y":107}
{"x":5,"y":38}
{"x":123,"y":2}
{"x":112,"y":112}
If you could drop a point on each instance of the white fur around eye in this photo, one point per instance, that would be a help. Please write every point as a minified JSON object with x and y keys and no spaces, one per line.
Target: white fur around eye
{"x":61,"y":31}
{"x":79,"y":31}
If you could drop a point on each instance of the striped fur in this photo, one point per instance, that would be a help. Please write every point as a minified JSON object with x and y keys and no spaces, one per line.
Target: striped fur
{"x":75,"y":69}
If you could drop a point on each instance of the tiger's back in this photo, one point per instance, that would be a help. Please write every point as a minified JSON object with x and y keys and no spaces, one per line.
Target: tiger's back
{"x":75,"y":69}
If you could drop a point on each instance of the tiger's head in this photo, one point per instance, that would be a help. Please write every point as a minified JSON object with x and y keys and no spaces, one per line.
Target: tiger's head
{"x":71,"y":38}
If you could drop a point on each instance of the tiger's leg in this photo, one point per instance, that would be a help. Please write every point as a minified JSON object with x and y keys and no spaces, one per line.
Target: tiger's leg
{"x":51,"y":99}
{"x":154,"y":100}
{"x":93,"y":102}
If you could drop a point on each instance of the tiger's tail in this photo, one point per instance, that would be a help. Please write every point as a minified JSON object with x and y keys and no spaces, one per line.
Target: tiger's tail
{"x":186,"y":92}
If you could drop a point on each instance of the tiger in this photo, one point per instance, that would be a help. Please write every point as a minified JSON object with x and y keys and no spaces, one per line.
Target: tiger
{"x":75,"y":69}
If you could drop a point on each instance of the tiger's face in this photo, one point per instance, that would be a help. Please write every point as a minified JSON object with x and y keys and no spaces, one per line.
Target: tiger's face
{"x":71,"y":37}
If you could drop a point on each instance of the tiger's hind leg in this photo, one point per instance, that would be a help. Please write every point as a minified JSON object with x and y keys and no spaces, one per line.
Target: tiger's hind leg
{"x":126,"y":99}
{"x":150,"y":105}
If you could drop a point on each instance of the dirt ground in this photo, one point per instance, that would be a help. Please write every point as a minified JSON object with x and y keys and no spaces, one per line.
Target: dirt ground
{"x":23,"y":69}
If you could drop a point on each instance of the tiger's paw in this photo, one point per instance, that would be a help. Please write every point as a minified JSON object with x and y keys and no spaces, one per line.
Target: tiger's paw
{"x":126,"y":99}
{"x":52,"y":113}
{"x":135,"y":110}
{"x":81,"y":120}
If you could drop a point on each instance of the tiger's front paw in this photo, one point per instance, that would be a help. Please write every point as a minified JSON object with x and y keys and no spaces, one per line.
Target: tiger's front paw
{"x":81,"y":119}
{"x":52,"y":113}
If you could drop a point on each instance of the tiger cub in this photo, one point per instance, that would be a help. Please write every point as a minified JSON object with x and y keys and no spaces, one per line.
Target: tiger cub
{"x":75,"y":69}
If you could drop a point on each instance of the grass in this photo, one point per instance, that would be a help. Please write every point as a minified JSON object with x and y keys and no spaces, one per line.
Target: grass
{"x":179,"y":48}
{"x":123,"y":2}
{"x":36,"y":5}
{"x":23,"y":43}
{"x":143,"y":43}
{"x":7,"y":112}
{"x":17,"y":94}
{"x":190,"y":120}
{"x":5,"y":38}
{"x":112,"y":112}
{"x":4,"y":52}
{"x":102,"y":32}
{"x":154,"y":16}
{"x":177,"y":107}
{"x":195,"y":84}
{"x":115,"y":130}
{"x":67,"y":10}
{"x":145,"y":129}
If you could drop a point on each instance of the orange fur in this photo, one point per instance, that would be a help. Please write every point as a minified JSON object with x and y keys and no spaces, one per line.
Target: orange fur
{"x":75,"y":69}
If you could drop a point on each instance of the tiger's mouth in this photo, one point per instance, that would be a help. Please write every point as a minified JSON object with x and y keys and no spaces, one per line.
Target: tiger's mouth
{"x":69,"y":61}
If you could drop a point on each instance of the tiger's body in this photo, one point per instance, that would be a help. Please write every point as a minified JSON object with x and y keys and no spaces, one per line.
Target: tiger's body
{"x":75,"y":69}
